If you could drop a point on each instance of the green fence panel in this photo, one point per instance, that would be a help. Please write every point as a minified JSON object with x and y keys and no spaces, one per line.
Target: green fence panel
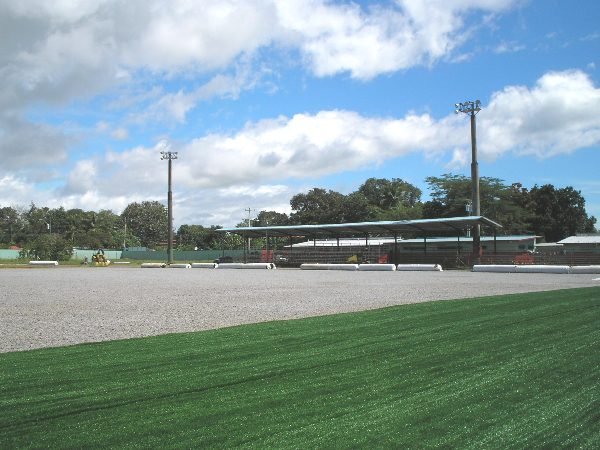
{"x":199,"y":255}
{"x":80,"y":255}
{"x":9,"y":254}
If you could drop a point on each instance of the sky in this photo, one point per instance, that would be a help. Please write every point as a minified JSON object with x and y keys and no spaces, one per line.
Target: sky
{"x":264,"y":99}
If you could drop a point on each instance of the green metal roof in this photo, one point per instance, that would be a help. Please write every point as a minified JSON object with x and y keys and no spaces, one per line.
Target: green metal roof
{"x":425,"y":226}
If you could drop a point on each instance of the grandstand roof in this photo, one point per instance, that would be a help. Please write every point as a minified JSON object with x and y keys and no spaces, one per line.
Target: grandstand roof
{"x":425,"y":226}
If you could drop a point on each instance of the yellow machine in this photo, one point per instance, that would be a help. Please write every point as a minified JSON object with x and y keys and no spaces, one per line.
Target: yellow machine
{"x":99,"y":259}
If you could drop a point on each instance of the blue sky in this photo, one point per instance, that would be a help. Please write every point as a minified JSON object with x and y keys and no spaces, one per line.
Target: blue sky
{"x":264,"y":99}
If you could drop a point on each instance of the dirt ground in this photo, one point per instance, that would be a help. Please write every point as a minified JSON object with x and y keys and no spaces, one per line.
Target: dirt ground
{"x":49,"y":307}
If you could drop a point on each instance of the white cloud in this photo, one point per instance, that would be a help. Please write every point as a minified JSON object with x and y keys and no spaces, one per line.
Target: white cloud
{"x":217,"y":174}
{"x":120,"y":133}
{"x":368,"y":42}
{"x":560,"y":114}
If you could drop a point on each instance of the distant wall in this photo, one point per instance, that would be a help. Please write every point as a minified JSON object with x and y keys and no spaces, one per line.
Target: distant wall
{"x":9,"y":254}
{"x":199,"y":255}
{"x":108,"y":254}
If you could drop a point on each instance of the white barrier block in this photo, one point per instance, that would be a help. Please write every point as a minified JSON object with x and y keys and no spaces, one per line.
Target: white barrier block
{"x":377,"y":267}
{"x":419,"y":267}
{"x":180,"y":266}
{"x":246,"y":266}
{"x":43,"y":263}
{"x":316,"y":266}
{"x":153,"y":265}
{"x":541,"y":268}
{"x":499,"y":268}
{"x":204,"y":265}
{"x":585,"y":269}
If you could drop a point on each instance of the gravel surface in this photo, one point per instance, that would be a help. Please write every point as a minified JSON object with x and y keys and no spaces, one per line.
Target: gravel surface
{"x":62,"y":306}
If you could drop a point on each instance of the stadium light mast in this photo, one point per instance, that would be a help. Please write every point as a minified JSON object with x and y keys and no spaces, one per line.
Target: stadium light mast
{"x":169,"y":156}
{"x":471,"y":109}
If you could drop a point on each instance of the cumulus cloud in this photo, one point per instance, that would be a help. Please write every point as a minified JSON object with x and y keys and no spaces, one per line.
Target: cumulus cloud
{"x":338,"y":38}
{"x":217,"y":173}
{"x":559,"y":114}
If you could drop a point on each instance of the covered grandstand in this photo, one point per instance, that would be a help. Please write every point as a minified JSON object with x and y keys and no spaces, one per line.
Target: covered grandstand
{"x":377,"y":241}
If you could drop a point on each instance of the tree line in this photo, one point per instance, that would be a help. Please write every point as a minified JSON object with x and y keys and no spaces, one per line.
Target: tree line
{"x":547,"y":211}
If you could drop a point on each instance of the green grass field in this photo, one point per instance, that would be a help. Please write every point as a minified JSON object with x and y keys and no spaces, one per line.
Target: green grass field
{"x":498,"y":372}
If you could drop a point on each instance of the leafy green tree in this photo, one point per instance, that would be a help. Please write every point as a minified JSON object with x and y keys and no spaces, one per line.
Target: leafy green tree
{"x":389,"y":194}
{"x":47,"y":247}
{"x":449,"y":196}
{"x":37,"y":221}
{"x":10,"y":224}
{"x":192,"y":237}
{"x":559,"y":213}
{"x":507,"y":205}
{"x":317,"y":206}
{"x":355,"y":207}
{"x":270,"y":218}
{"x":148,"y":221}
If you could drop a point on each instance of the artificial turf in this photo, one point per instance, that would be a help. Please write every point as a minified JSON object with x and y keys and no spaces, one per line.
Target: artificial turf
{"x":498,"y":372}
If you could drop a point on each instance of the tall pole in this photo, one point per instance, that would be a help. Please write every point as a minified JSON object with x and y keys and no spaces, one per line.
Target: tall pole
{"x":249,"y":210}
{"x":169,"y":156}
{"x":472,"y":108}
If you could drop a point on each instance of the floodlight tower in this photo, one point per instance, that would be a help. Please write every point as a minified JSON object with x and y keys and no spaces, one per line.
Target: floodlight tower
{"x":472,"y":108}
{"x":169,"y":156}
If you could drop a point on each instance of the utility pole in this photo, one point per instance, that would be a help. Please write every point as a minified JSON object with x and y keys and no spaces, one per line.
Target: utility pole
{"x":169,"y":156}
{"x":471,"y":109}
{"x":249,"y":211}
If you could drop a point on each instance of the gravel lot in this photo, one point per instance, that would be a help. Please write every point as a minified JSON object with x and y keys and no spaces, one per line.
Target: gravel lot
{"x":62,"y":306}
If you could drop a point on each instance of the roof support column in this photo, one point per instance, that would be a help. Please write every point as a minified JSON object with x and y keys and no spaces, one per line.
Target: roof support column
{"x":395,"y":248}
{"x":495,"y":242}
{"x":245,"y":253}
{"x":267,"y":239}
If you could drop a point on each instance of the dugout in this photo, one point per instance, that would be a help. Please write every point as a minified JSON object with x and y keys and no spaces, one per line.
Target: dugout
{"x":283,"y":244}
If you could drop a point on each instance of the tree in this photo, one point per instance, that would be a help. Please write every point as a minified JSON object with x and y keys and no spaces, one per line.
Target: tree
{"x":507,"y":205}
{"x":356,"y":208}
{"x":10,"y":223}
{"x":148,"y":221}
{"x":271,"y":218}
{"x":449,"y":196}
{"x":47,"y":247}
{"x":317,"y":206}
{"x":559,"y":213}
{"x":192,"y":237}
{"x":388,"y":194}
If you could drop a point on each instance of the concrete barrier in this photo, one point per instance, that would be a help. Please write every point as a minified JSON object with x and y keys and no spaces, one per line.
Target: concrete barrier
{"x":316,"y":266}
{"x":540,"y":268}
{"x":153,"y":265}
{"x":585,"y":269}
{"x":246,"y":266}
{"x":521,"y":268}
{"x":180,"y":266}
{"x":499,"y":268}
{"x":419,"y":267}
{"x":43,"y":263}
{"x":377,"y":267}
{"x":205,"y":265}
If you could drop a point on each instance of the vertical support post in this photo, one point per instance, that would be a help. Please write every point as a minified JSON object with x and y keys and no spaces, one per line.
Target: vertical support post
{"x":267,"y":239}
{"x":170,"y":214}
{"x":245,"y":252}
{"x":396,"y":248}
{"x":169,"y":156}
{"x":495,"y":242}
{"x":476,"y":209}
{"x":472,"y":108}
